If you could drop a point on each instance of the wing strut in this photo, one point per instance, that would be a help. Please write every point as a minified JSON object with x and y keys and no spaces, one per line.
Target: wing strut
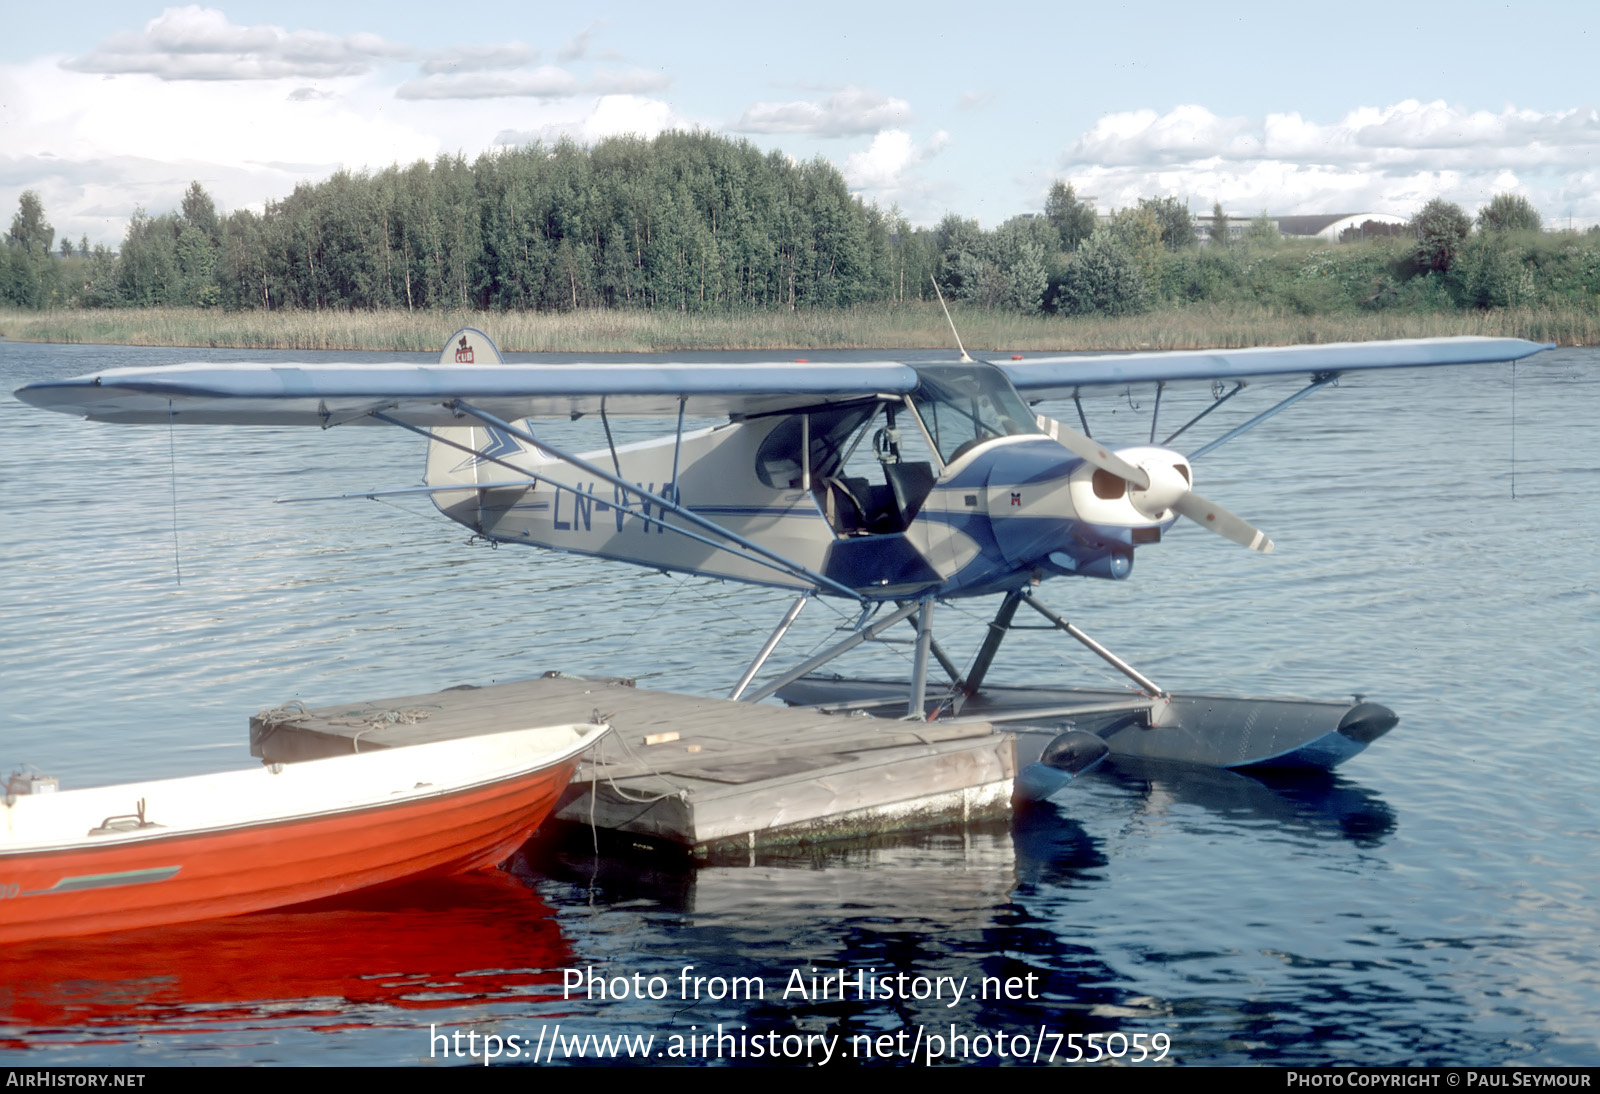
{"x":782,"y":567}
{"x":1320,"y":380}
{"x":774,"y":559}
{"x":1238,"y":386}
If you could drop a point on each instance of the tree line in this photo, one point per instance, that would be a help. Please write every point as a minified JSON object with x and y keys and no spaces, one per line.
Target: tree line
{"x":698,"y":222}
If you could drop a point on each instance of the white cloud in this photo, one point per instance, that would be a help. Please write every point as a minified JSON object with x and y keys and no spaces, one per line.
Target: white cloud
{"x":616,"y":115}
{"x":1413,"y":134}
{"x":851,"y":112}
{"x":96,"y":147}
{"x":480,"y":58}
{"x":546,"y":82}
{"x":610,"y":116}
{"x":628,"y":81}
{"x":195,"y":43}
{"x":1382,"y":159}
{"x":887,"y":171}
{"x":882,"y":164}
{"x":578,"y":47}
{"x":1143,"y":136}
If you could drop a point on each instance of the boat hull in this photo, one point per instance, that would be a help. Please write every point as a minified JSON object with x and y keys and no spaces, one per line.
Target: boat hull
{"x":154,"y":877}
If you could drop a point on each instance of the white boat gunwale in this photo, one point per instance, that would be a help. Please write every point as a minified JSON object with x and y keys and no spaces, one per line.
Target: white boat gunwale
{"x":511,"y":762}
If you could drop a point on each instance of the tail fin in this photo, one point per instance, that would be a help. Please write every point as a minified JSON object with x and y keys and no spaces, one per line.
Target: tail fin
{"x":448,"y":464}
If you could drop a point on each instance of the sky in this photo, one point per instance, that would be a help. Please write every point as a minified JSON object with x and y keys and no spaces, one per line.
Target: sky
{"x":968,"y":108}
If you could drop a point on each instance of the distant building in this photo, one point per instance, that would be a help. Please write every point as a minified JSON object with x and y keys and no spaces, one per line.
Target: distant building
{"x":1366,"y":226}
{"x":1329,"y":226}
{"x":1205,"y":228}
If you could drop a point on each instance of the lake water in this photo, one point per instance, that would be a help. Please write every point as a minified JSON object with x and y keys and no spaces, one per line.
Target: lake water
{"x":1435,"y":902}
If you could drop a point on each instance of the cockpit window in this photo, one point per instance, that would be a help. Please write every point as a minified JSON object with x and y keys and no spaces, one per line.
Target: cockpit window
{"x":965,"y":405}
{"x":830,"y":429}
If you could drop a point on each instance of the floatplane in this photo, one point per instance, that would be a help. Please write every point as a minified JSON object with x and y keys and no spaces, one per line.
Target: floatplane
{"x":895,"y":487}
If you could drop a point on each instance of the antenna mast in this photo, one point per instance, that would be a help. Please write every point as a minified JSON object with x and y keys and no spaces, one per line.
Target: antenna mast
{"x":947,"y":319}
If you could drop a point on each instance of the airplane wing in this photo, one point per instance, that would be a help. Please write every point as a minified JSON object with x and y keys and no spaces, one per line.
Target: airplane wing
{"x":333,"y":393}
{"x":328,"y":394}
{"x":1059,"y":377}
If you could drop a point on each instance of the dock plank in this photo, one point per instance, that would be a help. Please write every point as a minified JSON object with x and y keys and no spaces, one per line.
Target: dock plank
{"x":707,"y":774}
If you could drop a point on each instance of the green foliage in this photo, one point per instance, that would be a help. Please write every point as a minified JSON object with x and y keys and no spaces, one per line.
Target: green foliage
{"x":1104,"y":277}
{"x":1509,"y":213}
{"x":1262,"y":232}
{"x":1073,"y":220}
{"x":29,"y":277}
{"x":1489,"y":275}
{"x":1174,"y":221}
{"x":688,"y":221}
{"x":963,"y":267}
{"x":1137,"y":232}
{"x":1372,"y":229}
{"x":200,"y":212}
{"x":1441,"y":229}
{"x":1020,"y":248}
{"x":698,"y":224}
{"x":147,"y":267}
{"x":1221,"y":231}
{"x":30,"y":232}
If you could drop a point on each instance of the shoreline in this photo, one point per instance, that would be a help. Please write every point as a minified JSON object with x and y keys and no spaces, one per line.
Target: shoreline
{"x":916,"y":326}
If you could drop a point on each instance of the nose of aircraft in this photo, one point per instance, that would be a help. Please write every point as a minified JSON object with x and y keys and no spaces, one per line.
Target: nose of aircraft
{"x":1170,"y":491}
{"x":1075,"y":512}
{"x":1169,"y":482}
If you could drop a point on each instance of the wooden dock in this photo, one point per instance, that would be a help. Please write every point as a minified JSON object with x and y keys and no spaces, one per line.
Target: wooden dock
{"x":709,"y":775}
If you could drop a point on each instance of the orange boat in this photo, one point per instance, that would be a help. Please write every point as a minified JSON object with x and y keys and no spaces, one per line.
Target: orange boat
{"x":173,"y":851}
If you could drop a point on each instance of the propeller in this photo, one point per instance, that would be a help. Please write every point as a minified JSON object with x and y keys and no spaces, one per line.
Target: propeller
{"x":1168,"y":488}
{"x":1087,"y":448}
{"x":1208,"y":514}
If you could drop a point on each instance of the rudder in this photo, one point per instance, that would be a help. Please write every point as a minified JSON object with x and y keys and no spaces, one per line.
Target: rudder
{"x":449,"y":465}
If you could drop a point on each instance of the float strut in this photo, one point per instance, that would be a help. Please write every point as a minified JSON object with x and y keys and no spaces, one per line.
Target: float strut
{"x":998,"y":626}
{"x":870,"y":630}
{"x":951,"y":669}
{"x":916,"y":708}
{"x":772,"y":643}
{"x":1149,"y":686}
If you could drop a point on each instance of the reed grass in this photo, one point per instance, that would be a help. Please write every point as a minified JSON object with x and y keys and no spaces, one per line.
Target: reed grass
{"x":906,"y":326}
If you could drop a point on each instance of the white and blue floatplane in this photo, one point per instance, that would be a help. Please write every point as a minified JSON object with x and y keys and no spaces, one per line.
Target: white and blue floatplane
{"x":893,"y":486}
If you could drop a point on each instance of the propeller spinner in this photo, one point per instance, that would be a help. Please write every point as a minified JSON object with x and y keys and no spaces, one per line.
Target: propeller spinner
{"x":1167,"y":490}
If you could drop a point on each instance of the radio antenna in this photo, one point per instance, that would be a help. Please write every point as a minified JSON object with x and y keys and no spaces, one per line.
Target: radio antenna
{"x":947,"y":319}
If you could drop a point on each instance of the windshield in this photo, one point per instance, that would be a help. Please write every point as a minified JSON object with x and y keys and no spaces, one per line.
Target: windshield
{"x":965,"y":405}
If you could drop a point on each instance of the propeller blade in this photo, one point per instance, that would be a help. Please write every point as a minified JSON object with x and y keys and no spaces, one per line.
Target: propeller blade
{"x":1208,"y":514}
{"x":1087,"y":448}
